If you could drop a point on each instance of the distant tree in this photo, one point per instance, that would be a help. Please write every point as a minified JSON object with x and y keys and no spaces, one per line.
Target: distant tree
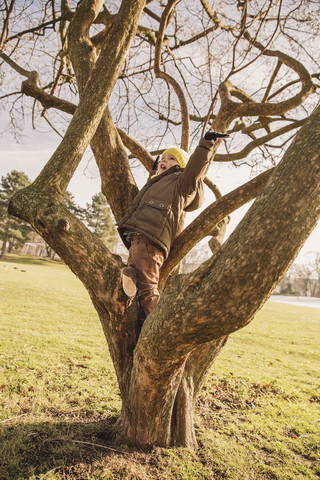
{"x":99,"y":220}
{"x":309,"y":273}
{"x":317,"y":275}
{"x":287,"y":288}
{"x":13,"y":232}
{"x":73,"y":207}
{"x":305,"y":274}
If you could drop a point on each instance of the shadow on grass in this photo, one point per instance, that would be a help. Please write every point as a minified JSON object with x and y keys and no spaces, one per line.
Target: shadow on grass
{"x":68,"y":449}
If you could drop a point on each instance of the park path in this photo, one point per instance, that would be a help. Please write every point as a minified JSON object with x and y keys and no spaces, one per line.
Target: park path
{"x":313,"y":302}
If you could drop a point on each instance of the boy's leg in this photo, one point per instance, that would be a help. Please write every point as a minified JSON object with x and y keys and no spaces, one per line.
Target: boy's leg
{"x":146,"y":258}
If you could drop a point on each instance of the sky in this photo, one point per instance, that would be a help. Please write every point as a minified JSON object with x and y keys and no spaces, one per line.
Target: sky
{"x":35,"y":149}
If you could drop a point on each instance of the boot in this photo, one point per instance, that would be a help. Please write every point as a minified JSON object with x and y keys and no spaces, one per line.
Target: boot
{"x":129,"y":281}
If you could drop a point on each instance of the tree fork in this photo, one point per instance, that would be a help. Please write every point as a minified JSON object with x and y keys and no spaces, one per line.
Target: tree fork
{"x":184,"y":320}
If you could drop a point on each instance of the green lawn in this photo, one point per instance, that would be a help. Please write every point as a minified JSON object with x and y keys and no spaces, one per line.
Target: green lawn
{"x":258,"y":416}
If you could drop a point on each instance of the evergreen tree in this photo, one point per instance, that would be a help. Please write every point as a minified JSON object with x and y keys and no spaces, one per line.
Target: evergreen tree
{"x":13,"y":232}
{"x":73,"y":207}
{"x":100,"y":221}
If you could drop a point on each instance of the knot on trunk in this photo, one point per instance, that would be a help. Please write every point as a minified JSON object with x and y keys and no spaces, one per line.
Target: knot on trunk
{"x":63,"y":225}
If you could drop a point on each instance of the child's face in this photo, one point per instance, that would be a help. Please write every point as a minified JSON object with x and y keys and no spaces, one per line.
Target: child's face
{"x":167,"y":161}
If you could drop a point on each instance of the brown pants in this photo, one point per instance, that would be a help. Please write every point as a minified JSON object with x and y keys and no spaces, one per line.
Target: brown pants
{"x":147,"y":259}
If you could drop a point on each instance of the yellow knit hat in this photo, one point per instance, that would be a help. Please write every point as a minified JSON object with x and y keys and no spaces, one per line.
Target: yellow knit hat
{"x":180,"y":155}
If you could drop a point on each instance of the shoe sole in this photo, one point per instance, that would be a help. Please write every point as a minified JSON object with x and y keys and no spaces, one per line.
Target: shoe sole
{"x":129,"y":280}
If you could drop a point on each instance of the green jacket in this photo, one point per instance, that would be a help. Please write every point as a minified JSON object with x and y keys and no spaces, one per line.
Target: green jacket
{"x":159,"y":208}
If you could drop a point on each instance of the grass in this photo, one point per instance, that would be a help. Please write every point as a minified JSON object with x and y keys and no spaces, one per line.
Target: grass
{"x":257,"y":417}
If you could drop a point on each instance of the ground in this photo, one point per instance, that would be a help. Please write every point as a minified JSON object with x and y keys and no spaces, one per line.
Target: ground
{"x":257,"y":417}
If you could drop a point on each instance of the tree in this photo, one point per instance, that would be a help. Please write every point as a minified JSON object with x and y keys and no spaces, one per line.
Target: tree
{"x":307,"y":275}
{"x":99,"y":220}
{"x":72,"y":206}
{"x":13,"y":232}
{"x":129,"y":57}
{"x":316,"y":269}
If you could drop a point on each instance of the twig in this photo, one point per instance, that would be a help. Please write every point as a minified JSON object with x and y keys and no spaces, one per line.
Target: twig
{"x":97,"y":445}
{"x":168,"y":78}
{"x":49,"y":471}
{"x":12,"y":418}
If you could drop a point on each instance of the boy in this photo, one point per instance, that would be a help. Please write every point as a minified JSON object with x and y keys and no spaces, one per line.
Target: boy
{"x":156,"y":217}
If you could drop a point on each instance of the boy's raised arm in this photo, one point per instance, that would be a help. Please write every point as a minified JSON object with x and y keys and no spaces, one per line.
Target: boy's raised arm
{"x":199,"y":161}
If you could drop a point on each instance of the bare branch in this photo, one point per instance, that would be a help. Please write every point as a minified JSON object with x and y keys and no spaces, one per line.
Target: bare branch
{"x":258,"y":142}
{"x":152,"y":14}
{"x":193,"y":39}
{"x":32,"y":76}
{"x":137,"y":150}
{"x":168,"y":78}
{"x":214,"y":17}
{"x":213,"y":187}
{"x":230,"y":110}
{"x":271,"y":81}
{"x":47,"y":100}
{"x":244,"y":33}
{"x":42,"y":26}
{"x":5,"y":27}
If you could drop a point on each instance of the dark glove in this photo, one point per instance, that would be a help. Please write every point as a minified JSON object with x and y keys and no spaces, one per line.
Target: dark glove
{"x":156,"y":163}
{"x":211,"y":135}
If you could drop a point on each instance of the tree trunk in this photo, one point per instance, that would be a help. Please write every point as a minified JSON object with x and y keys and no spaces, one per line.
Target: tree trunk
{"x":3,"y":247}
{"x":195,"y":372}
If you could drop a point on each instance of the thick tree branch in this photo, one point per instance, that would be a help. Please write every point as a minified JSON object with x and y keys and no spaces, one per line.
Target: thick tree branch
{"x":47,"y":100}
{"x":98,"y":90}
{"x":32,"y":76}
{"x":92,"y":262}
{"x":202,"y":226}
{"x":137,"y":150}
{"x":261,"y":240}
{"x":109,"y":152}
{"x":112,"y":160}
